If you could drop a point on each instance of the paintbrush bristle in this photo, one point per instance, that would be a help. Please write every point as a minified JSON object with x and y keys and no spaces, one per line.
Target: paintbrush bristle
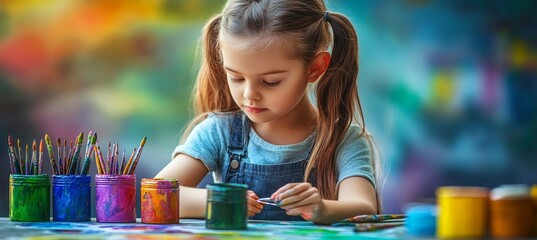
{"x":47,"y":139}
{"x":80,"y":136}
{"x":94,"y":138}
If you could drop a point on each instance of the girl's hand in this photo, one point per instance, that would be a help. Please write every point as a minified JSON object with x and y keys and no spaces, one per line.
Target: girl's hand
{"x":299,"y":199}
{"x":254,"y":207}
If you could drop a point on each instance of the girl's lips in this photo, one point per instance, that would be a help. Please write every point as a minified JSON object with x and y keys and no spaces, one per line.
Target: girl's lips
{"x":254,"y":109}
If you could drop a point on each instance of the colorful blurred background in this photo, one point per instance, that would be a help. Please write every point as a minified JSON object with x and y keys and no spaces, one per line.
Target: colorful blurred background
{"x":449,"y":88}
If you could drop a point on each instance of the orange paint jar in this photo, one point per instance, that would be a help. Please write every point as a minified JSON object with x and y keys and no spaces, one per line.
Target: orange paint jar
{"x":512,"y":212}
{"x":160,"y":200}
{"x":462,"y":212}
{"x":533,"y":194}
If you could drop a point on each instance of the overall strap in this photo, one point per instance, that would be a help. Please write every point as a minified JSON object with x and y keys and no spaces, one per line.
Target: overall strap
{"x":239,"y":131}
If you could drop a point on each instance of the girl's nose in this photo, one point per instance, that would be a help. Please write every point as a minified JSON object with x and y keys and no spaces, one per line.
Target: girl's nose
{"x":250,"y":93}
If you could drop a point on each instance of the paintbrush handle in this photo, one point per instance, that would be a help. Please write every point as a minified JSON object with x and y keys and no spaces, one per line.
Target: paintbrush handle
{"x":135,"y":161}
{"x":85,"y":166}
{"x":51,"y":156}
{"x":11,"y":162}
{"x":374,"y":218}
{"x":74,"y":160}
{"x":365,"y":227}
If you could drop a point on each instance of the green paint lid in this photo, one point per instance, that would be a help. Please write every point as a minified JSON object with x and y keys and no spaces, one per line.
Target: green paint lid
{"x":226,"y":192}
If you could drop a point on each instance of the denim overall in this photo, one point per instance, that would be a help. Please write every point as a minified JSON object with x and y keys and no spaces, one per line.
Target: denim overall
{"x":262,"y":179}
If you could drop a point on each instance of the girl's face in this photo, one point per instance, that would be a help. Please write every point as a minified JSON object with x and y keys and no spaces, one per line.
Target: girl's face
{"x":265,"y":83}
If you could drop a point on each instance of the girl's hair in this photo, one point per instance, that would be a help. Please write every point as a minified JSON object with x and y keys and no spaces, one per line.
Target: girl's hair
{"x":303,"y":29}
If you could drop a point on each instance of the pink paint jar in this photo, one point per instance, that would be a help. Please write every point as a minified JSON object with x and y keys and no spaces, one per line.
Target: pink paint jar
{"x":160,"y":200}
{"x":115,"y":198}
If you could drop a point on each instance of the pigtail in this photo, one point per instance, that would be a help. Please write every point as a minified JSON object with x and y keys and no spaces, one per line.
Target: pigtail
{"x":337,"y":102}
{"x":211,"y":93}
{"x":336,"y":96}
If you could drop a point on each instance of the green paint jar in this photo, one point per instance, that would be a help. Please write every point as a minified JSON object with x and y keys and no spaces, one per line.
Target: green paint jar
{"x":29,"y":198}
{"x":226,"y":206}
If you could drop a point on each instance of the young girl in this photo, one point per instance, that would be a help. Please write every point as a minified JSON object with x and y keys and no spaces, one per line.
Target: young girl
{"x":256,"y":125}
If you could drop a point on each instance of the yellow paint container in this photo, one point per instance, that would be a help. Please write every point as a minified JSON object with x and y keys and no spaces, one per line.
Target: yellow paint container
{"x":511,"y":212}
{"x":160,"y":200}
{"x":462,"y":212}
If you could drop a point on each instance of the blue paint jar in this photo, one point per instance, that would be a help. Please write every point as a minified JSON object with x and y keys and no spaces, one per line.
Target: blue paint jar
{"x":226,"y":206}
{"x":421,"y":220}
{"x":71,"y":198}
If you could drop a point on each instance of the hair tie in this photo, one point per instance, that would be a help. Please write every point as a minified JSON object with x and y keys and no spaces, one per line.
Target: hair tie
{"x":325,"y":17}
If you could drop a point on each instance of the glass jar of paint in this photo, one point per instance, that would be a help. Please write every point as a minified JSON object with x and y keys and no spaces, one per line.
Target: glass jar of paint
{"x":511,"y":211}
{"x":160,"y":200}
{"x":533,"y":193}
{"x":115,"y":198}
{"x":29,"y":198}
{"x":226,"y":206}
{"x":71,"y":198}
{"x":462,"y":212}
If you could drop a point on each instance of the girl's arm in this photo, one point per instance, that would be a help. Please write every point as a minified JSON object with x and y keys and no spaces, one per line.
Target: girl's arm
{"x":189,"y":171}
{"x":356,"y":196}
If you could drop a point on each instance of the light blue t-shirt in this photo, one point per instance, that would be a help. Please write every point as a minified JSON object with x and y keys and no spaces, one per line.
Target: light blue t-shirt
{"x":209,"y":139}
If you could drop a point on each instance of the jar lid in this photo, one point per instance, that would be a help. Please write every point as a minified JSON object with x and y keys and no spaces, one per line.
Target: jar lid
{"x":160,"y":182}
{"x":510,"y":191}
{"x":227,"y":187}
{"x":476,"y":192}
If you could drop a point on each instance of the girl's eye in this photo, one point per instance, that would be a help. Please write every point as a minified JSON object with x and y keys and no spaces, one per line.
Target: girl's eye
{"x":272,"y":84}
{"x":236,"y":79}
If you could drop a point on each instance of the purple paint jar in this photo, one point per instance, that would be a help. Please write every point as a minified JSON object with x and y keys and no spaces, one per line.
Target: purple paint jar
{"x":115,"y":198}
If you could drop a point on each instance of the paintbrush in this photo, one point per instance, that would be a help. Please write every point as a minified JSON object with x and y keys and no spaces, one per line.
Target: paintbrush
{"x":129,"y":163}
{"x":40,"y":160}
{"x":26,"y":162}
{"x":51,"y":155}
{"x":76,"y":156}
{"x":87,"y":161}
{"x":366,"y":227}
{"x":63,"y":154}
{"x":21,"y":158}
{"x":34,"y":158}
{"x":113,"y":159}
{"x":15,"y":160}
{"x":67,"y":161}
{"x":370,"y":218}
{"x":116,"y":159}
{"x":97,"y":160}
{"x":267,"y":201}
{"x":374,"y":218}
{"x":137,"y":156}
{"x":101,"y":158}
{"x":11,"y":163}
{"x":122,"y":167}
{"x":60,"y":157}
{"x":88,"y":143}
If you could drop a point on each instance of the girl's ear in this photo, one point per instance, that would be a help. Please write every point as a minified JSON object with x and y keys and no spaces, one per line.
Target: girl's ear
{"x":318,"y":66}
